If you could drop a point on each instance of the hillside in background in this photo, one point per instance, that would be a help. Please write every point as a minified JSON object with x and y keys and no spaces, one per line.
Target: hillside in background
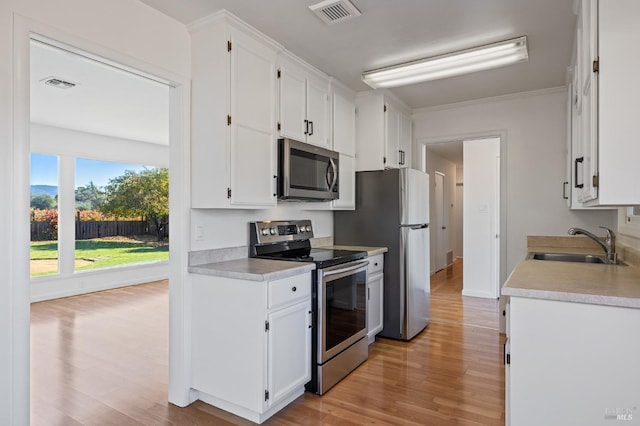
{"x":44,"y":189}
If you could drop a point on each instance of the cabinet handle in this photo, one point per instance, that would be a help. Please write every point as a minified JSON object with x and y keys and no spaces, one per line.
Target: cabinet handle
{"x":293,"y":288}
{"x":311,"y":125}
{"x":306,"y":127}
{"x":575,"y":172}
{"x":401,"y":157}
{"x":369,"y":293}
{"x":564,"y":190}
{"x":375,"y":264}
{"x":275,"y":178}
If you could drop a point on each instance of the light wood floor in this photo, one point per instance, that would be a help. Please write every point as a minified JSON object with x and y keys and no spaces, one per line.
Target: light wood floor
{"x":101,"y":359}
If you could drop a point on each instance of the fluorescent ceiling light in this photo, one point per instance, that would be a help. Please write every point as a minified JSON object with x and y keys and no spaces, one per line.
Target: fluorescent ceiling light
{"x":451,"y":64}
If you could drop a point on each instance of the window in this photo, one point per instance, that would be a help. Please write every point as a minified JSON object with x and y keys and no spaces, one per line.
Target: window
{"x":122,"y":213}
{"x":44,"y":215}
{"x":119,"y":215}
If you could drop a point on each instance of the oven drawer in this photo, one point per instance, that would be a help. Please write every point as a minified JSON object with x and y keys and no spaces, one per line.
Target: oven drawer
{"x":288,"y":290}
{"x":376,"y":264}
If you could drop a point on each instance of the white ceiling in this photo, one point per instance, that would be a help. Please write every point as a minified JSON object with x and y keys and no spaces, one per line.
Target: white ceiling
{"x":114,"y":102}
{"x":106,"y":101}
{"x":393,"y":31}
{"x":451,"y":151}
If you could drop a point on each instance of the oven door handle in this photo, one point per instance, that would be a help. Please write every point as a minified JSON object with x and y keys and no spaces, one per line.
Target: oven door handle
{"x":329,"y":271}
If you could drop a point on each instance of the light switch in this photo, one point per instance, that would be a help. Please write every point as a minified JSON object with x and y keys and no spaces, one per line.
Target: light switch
{"x":199,"y":234}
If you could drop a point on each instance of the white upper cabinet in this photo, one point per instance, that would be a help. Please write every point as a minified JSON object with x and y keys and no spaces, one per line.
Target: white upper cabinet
{"x":304,"y":102}
{"x":253,"y":100}
{"x":233,"y":133}
{"x":606,"y":103}
{"x":344,"y":141}
{"x":346,"y":184}
{"x":405,"y":132}
{"x":344,"y":124}
{"x":383,"y":132}
{"x":392,"y":135}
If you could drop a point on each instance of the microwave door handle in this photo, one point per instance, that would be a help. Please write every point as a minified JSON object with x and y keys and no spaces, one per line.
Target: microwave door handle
{"x":331,"y":171}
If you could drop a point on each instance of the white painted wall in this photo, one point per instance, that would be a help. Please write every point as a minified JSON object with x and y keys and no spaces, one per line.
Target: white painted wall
{"x":437,"y":163}
{"x":534,"y":156}
{"x":479,"y":217}
{"x":230,"y":228}
{"x":110,"y":29}
{"x":458,"y":211}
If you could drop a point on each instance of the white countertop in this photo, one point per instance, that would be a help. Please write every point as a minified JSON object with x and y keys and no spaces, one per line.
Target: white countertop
{"x":253,"y":269}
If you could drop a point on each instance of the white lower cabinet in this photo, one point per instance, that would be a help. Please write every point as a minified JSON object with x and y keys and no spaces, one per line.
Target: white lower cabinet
{"x":375,"y":296}
{"x":571,"y":363}
{"x":251,"y":343}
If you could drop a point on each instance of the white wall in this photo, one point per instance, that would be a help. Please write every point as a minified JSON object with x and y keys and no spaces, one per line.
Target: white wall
{"x":230,"y":228}
{"x":534,"y":156}
{"x":122,"y":30}
{"x":458,"y":211}
{"x":437,"y":163}
{"x":479,"y":217}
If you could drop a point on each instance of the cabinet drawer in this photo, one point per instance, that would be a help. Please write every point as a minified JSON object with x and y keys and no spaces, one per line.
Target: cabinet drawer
{"x":287,"y":290}
{"x":376,"y":264}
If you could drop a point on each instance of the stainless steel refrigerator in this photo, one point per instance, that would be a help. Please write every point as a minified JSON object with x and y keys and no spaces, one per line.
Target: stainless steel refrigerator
{"x":392,"y":210}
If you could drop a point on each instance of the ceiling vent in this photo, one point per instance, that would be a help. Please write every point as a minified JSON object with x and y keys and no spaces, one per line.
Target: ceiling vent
{"x":334,"y":11}
{"x":59,"y":83}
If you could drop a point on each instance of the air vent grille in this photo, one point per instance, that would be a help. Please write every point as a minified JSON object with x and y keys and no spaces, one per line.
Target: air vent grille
{"x":334,"y":11}
{"x":59,"y":83}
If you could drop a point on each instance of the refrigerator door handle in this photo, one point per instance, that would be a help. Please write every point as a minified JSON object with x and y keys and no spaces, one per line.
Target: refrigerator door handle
{"x":419,"y":226}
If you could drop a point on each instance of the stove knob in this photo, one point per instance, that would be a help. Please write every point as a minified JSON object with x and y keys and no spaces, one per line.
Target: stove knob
{"x":308,"y":228}
{"x":272,"y":231}
{"x":265,"y":231}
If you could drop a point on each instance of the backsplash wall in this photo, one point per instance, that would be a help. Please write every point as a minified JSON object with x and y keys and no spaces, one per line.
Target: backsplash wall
{"x":213,"y":229}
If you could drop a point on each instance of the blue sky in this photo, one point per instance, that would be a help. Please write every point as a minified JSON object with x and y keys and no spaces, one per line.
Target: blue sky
{"x":44,"y":170}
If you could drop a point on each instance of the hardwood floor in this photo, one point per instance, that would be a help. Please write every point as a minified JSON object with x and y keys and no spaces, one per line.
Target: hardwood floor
{"x":101,"y":359}
{"x":448,"y":304}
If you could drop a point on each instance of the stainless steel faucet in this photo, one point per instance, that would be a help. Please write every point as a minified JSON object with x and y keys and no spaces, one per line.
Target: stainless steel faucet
{"x":609,"y":244}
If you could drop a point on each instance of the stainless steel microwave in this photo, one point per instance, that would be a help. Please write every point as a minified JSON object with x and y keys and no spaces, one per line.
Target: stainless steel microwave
{"x":306,"y":172}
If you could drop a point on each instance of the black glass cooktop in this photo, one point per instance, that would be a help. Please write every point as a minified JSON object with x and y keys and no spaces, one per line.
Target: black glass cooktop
{"x":321,"y":257}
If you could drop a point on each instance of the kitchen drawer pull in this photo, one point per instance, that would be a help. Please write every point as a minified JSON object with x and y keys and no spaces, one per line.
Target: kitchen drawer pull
{"x":293,"y":288}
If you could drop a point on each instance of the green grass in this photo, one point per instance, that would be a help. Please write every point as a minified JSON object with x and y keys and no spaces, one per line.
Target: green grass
{"x":95,"y":254}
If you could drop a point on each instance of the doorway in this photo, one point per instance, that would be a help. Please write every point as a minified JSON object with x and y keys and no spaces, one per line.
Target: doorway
{"x":23,"y":30}
{"x":104,"y":131}
{"x":467,"y":172}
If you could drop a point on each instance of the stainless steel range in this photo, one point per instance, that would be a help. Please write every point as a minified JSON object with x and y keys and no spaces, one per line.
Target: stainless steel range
{"x":339,"y":297}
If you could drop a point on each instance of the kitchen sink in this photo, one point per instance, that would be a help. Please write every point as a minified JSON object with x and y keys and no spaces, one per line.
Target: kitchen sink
{"x":569,"y":257}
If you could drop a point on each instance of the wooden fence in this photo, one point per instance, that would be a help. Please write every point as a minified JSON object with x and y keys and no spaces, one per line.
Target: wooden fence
{"x":85,"y":230}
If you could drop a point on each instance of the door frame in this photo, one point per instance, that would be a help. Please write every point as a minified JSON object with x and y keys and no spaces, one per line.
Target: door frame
{"x":179,"y":184}
{"x":422,"y":143}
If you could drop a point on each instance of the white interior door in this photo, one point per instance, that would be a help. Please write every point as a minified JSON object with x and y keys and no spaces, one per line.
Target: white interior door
{"x":481,"y":217}
{"x":439,"y":225}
